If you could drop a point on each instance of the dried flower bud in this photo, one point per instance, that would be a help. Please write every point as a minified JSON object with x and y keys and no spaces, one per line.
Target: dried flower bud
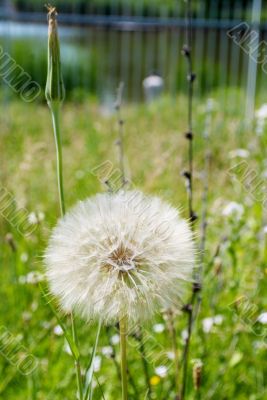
{"x":197,"y":373}
{"x":54,"y":90}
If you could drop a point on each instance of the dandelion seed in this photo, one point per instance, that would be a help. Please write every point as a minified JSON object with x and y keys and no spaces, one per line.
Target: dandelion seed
{"x":119,"y":254}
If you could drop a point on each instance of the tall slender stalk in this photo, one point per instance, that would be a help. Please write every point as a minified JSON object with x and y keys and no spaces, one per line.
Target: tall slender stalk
{"x":187,"y":51}
{"x":123,"y":343}
{"x":55,"y":94}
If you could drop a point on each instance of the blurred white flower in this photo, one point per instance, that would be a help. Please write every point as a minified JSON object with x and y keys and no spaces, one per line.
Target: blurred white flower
{"x":161,"y":371}
{"x":261,"y":113}
{"x":207,"y":323}
{"x":233,"y":209}
{"x":24,"y":257}
{"x":115,"y":339}
{"x":184,"y":334}
{"x":66,"y":348}
{"x":265,"y":229}
{"x":31,"y":278}
{"x":117,"y":254}
{"x":32,"y":218}
{"x":158,"y":328}
{"x":58,"y":330}
{"x":35,"y":218}
{"x":170,"y":355}
{"x":218,"y":319}
{"x":97,"y":363}
{"x":242,"y":153}
{"x":107,"y":351}
{"x":262,"y":318}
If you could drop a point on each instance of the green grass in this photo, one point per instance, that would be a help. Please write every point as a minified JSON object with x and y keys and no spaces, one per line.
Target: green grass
{"x":233,"y":353}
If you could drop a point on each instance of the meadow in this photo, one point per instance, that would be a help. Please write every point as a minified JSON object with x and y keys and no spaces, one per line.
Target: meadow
{"x":229,"y":335}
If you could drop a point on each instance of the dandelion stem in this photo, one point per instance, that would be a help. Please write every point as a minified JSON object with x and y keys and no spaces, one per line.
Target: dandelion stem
{"x":55,"y":111}
{"x":123,"y":336}
{"x":55,"y":108}
{"x":55,"y":94}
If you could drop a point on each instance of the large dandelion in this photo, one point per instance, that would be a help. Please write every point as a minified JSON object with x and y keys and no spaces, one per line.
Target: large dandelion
{"x":119,"y":254}
{"x":119,"y":257}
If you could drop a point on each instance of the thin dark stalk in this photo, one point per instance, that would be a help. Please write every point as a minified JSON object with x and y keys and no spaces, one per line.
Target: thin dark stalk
{"x":187,"y":51}
{"x":120,"y":140}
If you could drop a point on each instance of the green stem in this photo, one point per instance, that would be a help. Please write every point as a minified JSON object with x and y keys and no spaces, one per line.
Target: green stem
{"x":123,"y":336}
{"x":55,"y":108}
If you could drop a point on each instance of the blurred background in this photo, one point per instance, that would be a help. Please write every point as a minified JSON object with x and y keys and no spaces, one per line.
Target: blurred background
{"x":139,"y":42}
{"x":107,"y":41}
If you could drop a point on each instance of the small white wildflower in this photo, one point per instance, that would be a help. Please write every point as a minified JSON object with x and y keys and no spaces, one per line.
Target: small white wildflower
{"x":107,"y":351}
{"x":158,"y":328}
{"x":218,"y":319}
{"x":161,"y":371}
{"x":32,"y":218}
{"x":115,"y":339}
{"x":170,"y":355}
{"x":262,"y":318}
{"x":265,"y":229}
{"x":184,"y":334}
{"x":67,"y":348}
{"x":261,"y":113}
{"x":97,"y":363}
{"x":242,"y":153}
{"x":58,"y":330}
{"x":207,"y":324}
{"x":233,"y":209}
{"x":34,"y":277}
{"x":117,"y":254}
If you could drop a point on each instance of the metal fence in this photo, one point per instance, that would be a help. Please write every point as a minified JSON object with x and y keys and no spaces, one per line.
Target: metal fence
{"x":104,"y":42}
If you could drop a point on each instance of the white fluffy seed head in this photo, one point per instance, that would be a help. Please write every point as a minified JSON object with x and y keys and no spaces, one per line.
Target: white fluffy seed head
{"x":119,"y":254}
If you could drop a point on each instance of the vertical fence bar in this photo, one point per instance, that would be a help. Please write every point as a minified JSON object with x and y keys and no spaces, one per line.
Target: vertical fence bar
{"x":252,"y":63}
